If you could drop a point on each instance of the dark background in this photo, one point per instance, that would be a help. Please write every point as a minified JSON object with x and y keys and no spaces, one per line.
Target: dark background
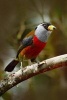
{"x":17,"y":18}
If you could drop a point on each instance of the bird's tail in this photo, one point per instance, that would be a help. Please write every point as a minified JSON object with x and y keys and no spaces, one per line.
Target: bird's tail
{"x":11,"y":65}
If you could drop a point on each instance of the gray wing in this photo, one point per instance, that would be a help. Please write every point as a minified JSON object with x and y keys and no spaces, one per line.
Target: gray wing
{"x":26,"y":42}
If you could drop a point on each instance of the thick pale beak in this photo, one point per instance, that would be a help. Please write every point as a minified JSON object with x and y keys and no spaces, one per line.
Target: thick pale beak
{"x":51,"y":27}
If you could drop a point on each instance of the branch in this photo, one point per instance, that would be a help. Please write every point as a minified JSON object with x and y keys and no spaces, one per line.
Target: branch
{"x":30,"y":71}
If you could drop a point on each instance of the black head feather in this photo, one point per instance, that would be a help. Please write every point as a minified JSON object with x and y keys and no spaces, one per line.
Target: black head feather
{"x":45,"y":25}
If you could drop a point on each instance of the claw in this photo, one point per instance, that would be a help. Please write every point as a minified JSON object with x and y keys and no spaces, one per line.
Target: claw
{"x":39,"y":65}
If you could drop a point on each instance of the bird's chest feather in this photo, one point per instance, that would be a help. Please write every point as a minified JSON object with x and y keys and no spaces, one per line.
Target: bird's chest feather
{"x":33,"y":50}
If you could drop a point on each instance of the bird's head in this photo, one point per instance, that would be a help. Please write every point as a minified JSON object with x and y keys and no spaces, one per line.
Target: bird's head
{"x":43,"y":31}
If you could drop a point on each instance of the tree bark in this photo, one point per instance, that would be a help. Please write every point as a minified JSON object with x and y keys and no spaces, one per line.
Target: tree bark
{"x":30,"y":71}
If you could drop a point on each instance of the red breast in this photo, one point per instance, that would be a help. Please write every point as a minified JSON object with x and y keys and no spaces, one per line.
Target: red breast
{"x":33,"y":50}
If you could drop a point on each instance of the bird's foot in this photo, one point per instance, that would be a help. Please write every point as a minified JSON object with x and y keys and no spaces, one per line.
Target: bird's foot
{"x":35,"y":61}
{"x":40,"y":65}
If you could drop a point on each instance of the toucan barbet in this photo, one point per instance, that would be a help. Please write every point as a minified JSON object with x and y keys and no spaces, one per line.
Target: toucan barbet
{"x":32,"y":44}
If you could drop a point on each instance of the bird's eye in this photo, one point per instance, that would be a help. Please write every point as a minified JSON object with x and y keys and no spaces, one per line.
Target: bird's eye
{"x":45,"y":25}
{"x":35,"y":28}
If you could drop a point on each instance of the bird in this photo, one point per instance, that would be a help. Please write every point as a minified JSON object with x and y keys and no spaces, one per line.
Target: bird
{"x":33,"y":43}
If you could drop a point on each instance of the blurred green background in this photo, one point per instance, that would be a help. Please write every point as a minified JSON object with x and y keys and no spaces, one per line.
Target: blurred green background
{"x":17,"y":18}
